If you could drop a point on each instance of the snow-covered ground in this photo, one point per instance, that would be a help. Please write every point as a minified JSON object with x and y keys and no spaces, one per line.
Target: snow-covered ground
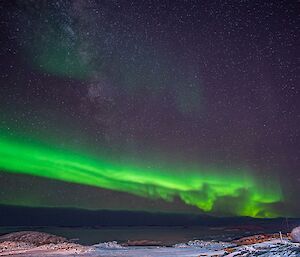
{"x":155,"y":252}
{"x":196,"y":248}
{"x":274,"y":248}
{"x":190,"y":249}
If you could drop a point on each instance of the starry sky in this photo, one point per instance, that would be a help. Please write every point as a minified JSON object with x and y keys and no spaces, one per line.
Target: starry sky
{"x":165,"y":106}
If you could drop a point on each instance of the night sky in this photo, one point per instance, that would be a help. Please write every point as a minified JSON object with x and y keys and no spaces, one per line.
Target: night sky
{"x":164,"y":106}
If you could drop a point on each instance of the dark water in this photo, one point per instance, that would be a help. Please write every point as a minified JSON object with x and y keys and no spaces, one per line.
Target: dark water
{"x":166,"y":235}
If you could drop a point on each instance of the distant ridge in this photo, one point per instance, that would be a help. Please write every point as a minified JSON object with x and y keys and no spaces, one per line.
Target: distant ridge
{"x":45,"y":216}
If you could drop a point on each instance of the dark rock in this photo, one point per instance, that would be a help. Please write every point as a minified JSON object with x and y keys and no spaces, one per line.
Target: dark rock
{"x":255,"y":239}
{"x":142,"y":243}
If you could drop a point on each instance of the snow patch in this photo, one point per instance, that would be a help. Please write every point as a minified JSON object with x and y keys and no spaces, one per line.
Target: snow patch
{"x":109,"y":245}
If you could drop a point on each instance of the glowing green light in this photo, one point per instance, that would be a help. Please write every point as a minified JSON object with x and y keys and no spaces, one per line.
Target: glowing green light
{"x":201,"y":187}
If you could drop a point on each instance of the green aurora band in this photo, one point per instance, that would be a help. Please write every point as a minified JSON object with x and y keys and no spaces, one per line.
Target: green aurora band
{"x":202,"y":188}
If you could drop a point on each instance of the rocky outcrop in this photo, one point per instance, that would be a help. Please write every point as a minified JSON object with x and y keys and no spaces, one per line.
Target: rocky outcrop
{"x":295,"y":235}
{"x":256,"y":239}
{"x":264,"y":249}
{"x":33,"y":238}
{"x":142,"y":243}
{"x":36,"y":244}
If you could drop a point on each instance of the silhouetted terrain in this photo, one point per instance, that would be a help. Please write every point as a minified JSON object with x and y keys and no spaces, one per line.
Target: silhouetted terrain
{"x":30,"y":216}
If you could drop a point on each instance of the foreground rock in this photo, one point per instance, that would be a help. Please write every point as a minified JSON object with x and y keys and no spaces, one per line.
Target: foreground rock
{"x":30,"y":243}
{"x":272,"y":248}
{"x":295,"y":235}
{"x":33,"y":238}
